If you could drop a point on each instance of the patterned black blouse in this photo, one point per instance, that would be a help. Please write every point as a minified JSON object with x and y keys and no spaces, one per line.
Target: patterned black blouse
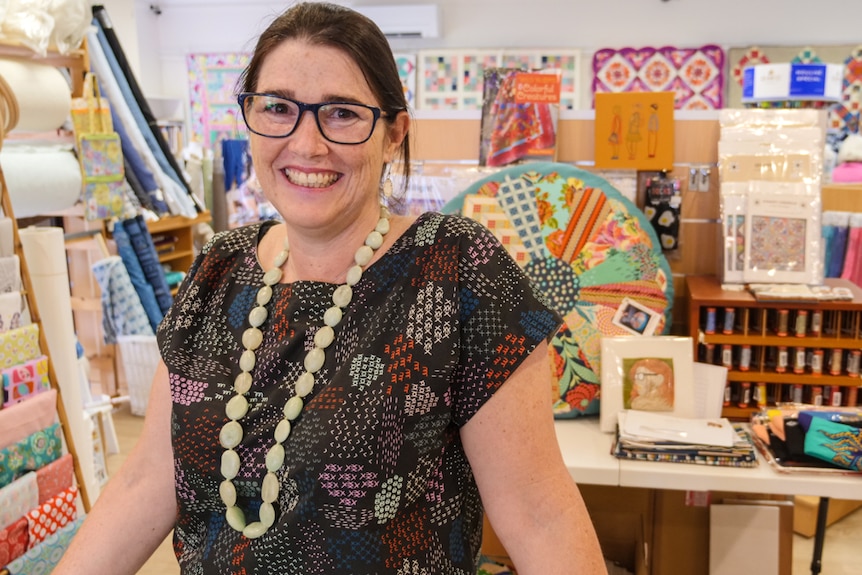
{"x":375,"y":480}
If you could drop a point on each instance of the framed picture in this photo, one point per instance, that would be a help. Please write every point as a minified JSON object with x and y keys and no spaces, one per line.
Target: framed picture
{"x":636,"y":318}
{"x":651,"y":373}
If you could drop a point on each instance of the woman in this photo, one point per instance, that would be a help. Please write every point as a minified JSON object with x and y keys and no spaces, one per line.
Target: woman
{"x":328,"y":409}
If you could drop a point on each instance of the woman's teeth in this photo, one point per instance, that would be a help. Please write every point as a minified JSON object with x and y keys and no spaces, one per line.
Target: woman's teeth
{"x":312,"y":180}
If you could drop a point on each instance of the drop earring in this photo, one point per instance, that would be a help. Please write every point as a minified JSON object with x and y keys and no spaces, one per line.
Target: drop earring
{"x":387,"y":182}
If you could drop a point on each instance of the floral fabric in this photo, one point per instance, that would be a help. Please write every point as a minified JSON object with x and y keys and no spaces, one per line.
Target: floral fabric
{"x":376,"y":480}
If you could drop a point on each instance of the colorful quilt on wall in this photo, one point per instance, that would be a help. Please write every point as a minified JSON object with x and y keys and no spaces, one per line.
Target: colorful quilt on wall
{"x":695,"y":75}
{"x":212,"y":92}
{"x":453,"y":79}
{"x":843,"y":117}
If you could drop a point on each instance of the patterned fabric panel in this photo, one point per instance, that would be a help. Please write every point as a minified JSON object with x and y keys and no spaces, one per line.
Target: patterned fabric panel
{"x":376,"y":479}
{"x":590,"y":248}
{"x":30,"y":454}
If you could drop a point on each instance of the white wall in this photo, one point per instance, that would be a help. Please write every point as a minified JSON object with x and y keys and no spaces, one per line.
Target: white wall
{"x":161,"y":42}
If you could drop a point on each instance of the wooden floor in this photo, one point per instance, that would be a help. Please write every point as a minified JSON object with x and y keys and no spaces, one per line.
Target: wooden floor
{"x":840,"y":550}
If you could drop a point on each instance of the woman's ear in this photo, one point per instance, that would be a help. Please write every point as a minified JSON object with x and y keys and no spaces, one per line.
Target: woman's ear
{"x":396,"y":132}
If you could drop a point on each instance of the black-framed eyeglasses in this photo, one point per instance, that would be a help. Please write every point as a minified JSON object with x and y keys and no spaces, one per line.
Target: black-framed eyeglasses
{"x":277,"y":117}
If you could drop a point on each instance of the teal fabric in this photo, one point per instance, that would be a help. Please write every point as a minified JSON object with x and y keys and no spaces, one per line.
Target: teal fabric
{"x":30,"y":454}
{"x":836,"y":443}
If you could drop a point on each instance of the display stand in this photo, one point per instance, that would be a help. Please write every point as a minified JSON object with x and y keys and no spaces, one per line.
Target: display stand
{"x":753,"y":326}
{"x":36,"y":319}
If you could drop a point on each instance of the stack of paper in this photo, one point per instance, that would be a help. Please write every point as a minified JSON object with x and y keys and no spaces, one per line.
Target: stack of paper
{"x":652,"y":436}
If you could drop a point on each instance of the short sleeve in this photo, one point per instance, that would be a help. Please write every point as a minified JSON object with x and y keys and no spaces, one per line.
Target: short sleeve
{"x":502,"y":315}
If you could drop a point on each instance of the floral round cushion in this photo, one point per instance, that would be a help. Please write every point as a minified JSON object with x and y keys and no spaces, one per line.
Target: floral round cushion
{"x":588,"y":248}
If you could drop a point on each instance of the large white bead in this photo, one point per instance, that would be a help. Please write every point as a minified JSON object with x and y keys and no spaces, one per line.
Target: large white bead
{"x":342,"y":296}
{"x":293,"y":408}
{"x":269,"y":488}
{"x":235,"y":518}
{"x":333,"y":316}
{"x":254,"y":530}
{"x":363,"y":255}
{"x":237,"y":407}
{"x":275,"y":458}
{"x":374,"y":240}
{"x":281,"y":258}
{"x":354,"y":274}
{"x":252,"y":338}
{"x":242,"y":383}
{"x":382,"y":226}
{"x":264,"y":294}
{"x":272,"y":277}
{"x":282,"y":431}
{"x":230,"y":434}
{"x":314,"y":360}
{"x":257,"y":316}
{"x":267,"y":514}
{"x":304,"y":384}
{"x":246,"y":360}
{"x":227,"y":492}
{"x":229,"y":464}
{"x":324,"y":337}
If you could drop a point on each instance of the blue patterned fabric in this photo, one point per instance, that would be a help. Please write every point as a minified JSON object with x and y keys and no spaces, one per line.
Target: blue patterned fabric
{"x":145,"y":249}
{"x":145,"y":291}
{"x":122,"y":310}
{"x":376,"y":479}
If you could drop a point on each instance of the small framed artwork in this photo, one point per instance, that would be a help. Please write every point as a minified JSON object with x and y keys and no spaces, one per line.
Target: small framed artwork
{"x":651,"y":373}
{"x":636,"y":318}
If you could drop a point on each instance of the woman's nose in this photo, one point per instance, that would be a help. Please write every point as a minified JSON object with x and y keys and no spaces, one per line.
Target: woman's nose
{"x":306,"y":137}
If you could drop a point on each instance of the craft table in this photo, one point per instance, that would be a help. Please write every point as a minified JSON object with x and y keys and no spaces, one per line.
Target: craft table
{"x":587,"y":454}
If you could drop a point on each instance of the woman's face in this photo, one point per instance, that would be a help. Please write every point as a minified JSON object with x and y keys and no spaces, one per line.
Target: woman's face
{"x":312,"y":182}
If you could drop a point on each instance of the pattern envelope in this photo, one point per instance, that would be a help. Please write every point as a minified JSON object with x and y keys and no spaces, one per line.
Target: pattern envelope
{"x":589,"y":248}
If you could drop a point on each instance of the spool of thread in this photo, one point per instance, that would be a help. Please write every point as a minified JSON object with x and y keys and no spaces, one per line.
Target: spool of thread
{"x":817,"y":395}
{"x":709,"y":326}
{"x":782,"y":360}
{"x":816,"y":323}
{"x":744,"y":394}
{"x":799,"y":360}
{"x":836,"y":361}
{"x":817,"y":362}
{"x":801,"y":324}
{"x":853,"y":363}
{"x":727,"y":355}
{"x":760,"y":395}
{"x":782,"y":322}
{"x":745,"y":358}
{"x":729,"y":318}
{"x":796,"y":393}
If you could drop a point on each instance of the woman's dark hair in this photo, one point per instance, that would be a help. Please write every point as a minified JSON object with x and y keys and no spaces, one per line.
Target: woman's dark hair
{"x":352,"y":33}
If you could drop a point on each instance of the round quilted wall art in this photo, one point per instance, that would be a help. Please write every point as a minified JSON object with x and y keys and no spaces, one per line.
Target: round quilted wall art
{"x":589,"y":249}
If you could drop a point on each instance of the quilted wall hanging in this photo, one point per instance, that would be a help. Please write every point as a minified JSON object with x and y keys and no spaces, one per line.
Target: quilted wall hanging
{"x":695,"y":75}
{"x":588,"y":249}
{"x":453,"y":79}
{"x":212,"y":88}
{"x":844,"y":117}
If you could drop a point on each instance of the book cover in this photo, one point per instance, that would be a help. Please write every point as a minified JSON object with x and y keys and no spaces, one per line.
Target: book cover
{"x":520,"y":111}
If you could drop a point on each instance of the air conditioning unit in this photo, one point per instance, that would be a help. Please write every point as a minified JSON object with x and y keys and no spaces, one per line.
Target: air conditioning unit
{"x":402,"y":21}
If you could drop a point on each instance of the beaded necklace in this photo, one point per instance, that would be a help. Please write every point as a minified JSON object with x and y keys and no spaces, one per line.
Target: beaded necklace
{"x":231,"y":433}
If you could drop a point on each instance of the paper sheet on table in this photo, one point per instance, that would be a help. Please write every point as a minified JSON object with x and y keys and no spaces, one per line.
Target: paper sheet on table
{"x":657,"y":427}
{"x":709,"y":383}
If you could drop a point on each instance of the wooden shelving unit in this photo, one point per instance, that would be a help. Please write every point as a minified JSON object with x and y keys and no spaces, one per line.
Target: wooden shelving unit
{"x":754,"y":326}
{"x":182,"y":249}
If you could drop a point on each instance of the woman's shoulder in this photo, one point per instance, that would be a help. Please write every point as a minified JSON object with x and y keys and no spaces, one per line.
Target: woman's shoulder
{"x":455,"y":227}
{"x":237,"y":240}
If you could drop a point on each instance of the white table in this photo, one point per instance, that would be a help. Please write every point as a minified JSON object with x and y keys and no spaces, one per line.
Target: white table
{"x":587,"y":454}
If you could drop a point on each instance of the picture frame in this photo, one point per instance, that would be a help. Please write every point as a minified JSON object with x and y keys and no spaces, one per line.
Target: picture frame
{"x":636,"y":318}
{"x":646,"y":373}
